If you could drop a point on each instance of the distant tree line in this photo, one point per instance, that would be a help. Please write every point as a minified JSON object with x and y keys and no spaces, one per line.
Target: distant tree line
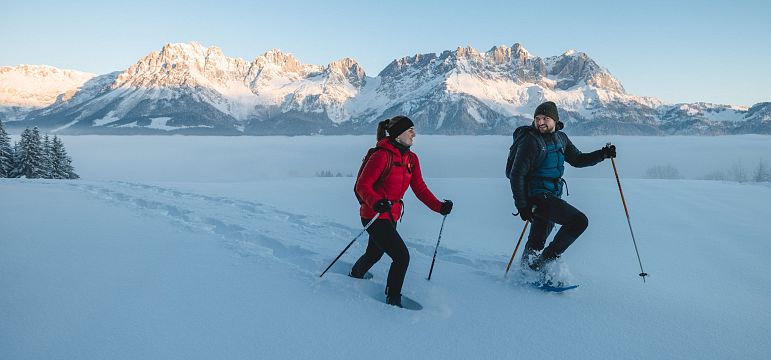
{"x":34,"y":157}
{"x":329,"y":173}
{"x":663,"y":172}
{"x":737,"y":172}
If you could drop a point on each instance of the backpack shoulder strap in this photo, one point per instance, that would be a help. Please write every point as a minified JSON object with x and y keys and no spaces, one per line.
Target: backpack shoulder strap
{"x":387,"y":169}
{"x":541,"y":152}
{"x":383,"y":175}
{"x":562,"y":139}
{"x":409,"y":164}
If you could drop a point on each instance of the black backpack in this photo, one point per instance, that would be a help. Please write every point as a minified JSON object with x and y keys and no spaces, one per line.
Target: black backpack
{"x":519,"y":134}
{"x":523,"y":132}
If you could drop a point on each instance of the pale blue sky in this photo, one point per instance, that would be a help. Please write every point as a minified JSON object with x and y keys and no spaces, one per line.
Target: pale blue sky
{"x":678,"y":51}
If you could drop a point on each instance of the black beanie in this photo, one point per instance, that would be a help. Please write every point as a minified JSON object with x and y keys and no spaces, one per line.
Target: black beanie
{"x":397,"y":125}
{"x":549,"y":109}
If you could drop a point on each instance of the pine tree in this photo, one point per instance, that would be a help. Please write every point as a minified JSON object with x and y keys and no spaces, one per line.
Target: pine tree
{"x":61,"y":163}
{"x":56,"y":162}
{"x":17,"y":153}
{"x":36,"y":155}
{"x":20,"y":160}
{"x":738,"y":173}
{"x":6,"y":153}
{"x":29,"y":156}
{"x":762,"y":173}
{"x":47,"y":158}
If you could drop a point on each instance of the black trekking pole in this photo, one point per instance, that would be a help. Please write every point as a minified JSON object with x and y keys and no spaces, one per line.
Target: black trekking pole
{"x":350,"y":243}
{"x":643,"y":274}
{"x":436,"y":248}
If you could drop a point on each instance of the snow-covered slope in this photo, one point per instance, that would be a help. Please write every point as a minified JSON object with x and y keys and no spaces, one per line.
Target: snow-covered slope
{"x":200,"y":268}
{"x":137,"y":270}
{"x":27,"y":87}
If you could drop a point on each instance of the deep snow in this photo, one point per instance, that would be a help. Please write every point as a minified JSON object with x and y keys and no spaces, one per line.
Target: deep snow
{"x":200,"y":268}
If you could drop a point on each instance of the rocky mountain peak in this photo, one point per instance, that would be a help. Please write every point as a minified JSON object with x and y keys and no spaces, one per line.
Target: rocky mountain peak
{"x":276,"y":57}
{"x":466,"y":52}
{"x":37,"y":85}
{"x":574,"y":68}
{"x":182,"y":64}
{"x":520,"y":52}
{"x":506,"y":55}
{"x":500,"y":54}
{"x":348,"y":68}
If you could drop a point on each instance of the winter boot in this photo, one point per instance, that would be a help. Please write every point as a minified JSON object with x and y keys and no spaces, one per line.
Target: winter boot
{"x":543,"y":260}
{"x":528,"y":256}
{"x":393,"y":299}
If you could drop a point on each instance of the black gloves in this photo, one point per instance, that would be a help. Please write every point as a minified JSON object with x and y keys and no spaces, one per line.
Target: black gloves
{"x":382,"y":206}
{"x":446,"y":207}
{"x":609,"y":151}
{"x":526,"y":213}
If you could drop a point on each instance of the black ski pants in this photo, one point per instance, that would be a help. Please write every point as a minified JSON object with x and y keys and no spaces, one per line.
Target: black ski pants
{"x":383,"y":238}
{"x":550,"y":210}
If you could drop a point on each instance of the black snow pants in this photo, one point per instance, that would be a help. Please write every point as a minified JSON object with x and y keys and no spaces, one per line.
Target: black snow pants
{"x":383,"y":238}
{"x":550,"y":210}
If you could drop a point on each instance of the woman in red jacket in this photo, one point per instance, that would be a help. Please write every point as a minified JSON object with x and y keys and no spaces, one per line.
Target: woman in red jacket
{"x":385,"y":197}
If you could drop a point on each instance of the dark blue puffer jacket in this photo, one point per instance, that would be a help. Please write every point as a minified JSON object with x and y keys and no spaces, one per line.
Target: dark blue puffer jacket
{"x":532,"y":151}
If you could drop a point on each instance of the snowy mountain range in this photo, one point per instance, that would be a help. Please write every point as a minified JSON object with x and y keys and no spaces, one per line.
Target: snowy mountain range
{"x":191,"y":89}
{"x":27,"y":87}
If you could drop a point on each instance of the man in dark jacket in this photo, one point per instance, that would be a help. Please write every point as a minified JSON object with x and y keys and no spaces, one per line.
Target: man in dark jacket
{"x":537,"y":184}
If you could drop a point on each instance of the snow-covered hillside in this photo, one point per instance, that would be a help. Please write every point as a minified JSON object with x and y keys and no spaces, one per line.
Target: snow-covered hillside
{"x":197,"y":268}
{"x":134,"y":270}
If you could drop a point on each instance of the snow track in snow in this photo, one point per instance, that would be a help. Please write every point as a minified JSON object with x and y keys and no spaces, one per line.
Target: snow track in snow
{"x":249,"y":228}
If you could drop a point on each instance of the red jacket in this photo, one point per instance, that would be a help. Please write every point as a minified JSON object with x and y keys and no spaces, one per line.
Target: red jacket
{"x":404,"y":173}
